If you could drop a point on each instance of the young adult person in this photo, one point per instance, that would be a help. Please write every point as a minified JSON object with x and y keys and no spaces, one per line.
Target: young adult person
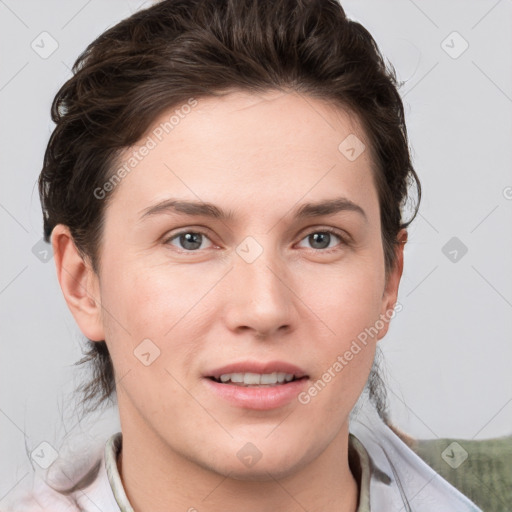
{"x":223,"y":192}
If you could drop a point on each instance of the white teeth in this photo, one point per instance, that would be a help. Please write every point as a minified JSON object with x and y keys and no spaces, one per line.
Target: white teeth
{"x":254,"y":379}
{"x":269,"y":378}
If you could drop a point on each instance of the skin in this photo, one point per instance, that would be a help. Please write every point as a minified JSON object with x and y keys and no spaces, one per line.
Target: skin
{"x":260,"y":156}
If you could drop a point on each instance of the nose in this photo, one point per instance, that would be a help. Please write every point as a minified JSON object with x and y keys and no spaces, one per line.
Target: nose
{"x":260,"y":298}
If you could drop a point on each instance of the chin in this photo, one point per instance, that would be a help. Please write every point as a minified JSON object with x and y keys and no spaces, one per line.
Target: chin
{"x":258,"y":473}
{"x":250,"y":464}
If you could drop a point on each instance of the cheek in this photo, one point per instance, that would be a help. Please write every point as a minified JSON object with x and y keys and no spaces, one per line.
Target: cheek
{"x":149,"y":298}
{"x":348,"y":300}
{"x":349,"y":305}
{"x":149,"y":334}
{"x":150,"y":302}
{"x":344,"y":359}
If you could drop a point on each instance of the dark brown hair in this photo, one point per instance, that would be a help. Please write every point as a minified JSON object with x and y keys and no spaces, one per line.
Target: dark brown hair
{"x":175,"y":50}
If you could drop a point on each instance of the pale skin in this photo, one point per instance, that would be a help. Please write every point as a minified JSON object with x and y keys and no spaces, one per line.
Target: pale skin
{"x":261,"y":157}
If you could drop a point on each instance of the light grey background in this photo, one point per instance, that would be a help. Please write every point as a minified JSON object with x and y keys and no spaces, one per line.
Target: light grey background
{"x":448,"y":353}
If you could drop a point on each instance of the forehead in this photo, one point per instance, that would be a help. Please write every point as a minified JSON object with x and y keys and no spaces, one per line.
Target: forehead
{"x":266,"y":150}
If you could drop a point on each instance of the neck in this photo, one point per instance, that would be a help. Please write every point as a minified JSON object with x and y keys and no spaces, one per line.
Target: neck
{"x":157,"y":479}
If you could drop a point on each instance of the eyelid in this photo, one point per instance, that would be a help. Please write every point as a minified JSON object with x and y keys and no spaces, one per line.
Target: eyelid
{"x":167,"y":238}
{"x":346,"y":239}
{"x":328,"y":229}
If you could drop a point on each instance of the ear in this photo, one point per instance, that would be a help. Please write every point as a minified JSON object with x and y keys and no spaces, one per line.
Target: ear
{"x":79,"y":284}
{"x":390,"y":294}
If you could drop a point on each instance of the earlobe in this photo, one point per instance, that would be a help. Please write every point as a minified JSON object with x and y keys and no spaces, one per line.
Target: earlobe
{"x":79,"y":284}
{"x":390,"y":295}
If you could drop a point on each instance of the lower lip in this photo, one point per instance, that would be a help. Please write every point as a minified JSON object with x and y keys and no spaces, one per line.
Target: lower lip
{"x":262,"y":398}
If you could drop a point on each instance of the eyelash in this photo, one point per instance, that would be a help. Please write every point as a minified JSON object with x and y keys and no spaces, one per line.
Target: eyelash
{"x":332,"y":231}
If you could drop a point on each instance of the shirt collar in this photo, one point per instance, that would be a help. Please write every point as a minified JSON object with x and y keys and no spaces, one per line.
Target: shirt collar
{"x":112,"y":450}
{"x":359,"y":462}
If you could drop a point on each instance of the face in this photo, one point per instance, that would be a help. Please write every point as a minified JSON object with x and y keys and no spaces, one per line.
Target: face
{"x":190,"y":299}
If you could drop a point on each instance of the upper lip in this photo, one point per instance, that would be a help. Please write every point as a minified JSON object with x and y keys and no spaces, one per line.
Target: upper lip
{"x":257,"y":367}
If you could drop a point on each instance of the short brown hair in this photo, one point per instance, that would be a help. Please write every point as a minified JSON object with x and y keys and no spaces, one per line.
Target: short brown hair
{"x":160,"y":57}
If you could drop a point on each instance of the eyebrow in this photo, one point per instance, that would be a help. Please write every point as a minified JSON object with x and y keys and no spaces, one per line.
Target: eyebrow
{"x":199,"y":208}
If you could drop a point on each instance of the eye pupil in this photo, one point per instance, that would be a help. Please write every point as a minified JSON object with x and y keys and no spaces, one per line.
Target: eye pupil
{"x":320,"y":237}
{"x":191,"y":238}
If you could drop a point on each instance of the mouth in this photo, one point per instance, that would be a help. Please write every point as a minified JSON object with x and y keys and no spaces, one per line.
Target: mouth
{"x":257,"y":385}
{"x":256,"y":373}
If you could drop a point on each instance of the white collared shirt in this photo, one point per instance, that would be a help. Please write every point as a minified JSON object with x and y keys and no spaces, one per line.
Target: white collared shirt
{"x":390,"y":475}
